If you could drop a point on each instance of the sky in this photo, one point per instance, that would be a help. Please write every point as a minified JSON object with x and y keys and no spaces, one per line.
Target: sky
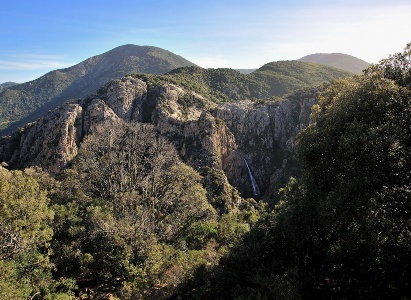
{"x":40,"y":36}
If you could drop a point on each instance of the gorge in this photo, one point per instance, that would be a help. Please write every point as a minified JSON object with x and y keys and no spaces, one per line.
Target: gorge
{"x":188,"y":183}
{"x":207,"y":135}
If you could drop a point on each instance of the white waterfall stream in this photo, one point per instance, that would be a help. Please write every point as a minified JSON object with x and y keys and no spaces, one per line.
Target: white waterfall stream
{"x":256,"y":190}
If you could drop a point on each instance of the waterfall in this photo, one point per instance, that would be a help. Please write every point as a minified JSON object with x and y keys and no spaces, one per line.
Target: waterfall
{"x":256,"y":190}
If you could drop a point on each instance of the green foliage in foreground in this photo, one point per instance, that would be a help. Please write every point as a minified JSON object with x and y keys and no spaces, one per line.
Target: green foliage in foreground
{"x":25,"y":235}
{"x":127,"y":220}
{"x":343,"y":229}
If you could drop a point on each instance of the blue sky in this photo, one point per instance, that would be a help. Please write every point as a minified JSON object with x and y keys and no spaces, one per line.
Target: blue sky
{"x":40,"y":36}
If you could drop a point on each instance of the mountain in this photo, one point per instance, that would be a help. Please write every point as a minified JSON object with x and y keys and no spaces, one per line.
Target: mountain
{"x":26,"y":102}
{"x":245,"y":71}
{"x":6,"y":85}
{"x":212,"y":138}
{"x":200,"y":110}
{"x":171,"y":147}
{"x":187,"y":149}
{"x":285,"y":77}
{"x":274,"y":79}
{"x":159,"y":187}
{"x":338,"y":60}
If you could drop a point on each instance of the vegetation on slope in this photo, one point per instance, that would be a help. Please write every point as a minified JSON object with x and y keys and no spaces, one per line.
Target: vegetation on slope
{"x":272,"y":80}
{"x":26,"y":102}
{"x":286,"y":77}
{"x":129,"y":220}
{"x":342,"y":229}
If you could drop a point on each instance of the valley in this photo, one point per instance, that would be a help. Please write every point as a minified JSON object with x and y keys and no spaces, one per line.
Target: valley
{"x":139,"y":175}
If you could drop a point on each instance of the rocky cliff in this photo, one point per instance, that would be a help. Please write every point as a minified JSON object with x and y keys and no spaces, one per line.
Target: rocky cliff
{"x":264,"y":135}
{"x":214,"y":139}
{"x":22,"y":103}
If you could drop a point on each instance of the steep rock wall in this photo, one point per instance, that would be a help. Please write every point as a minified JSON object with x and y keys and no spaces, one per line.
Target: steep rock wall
{"x":50,"y":142}
{"x":214,"y":139}
{"x":265,"y":135}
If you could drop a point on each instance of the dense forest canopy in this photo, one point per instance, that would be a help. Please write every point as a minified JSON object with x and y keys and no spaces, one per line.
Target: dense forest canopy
{"x":342,"y":229}
{"x":128,"y":219}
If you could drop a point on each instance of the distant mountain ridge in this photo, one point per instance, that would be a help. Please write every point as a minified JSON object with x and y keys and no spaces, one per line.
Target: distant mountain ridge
{"x":6,"y":85}
{"x":275,"y":79}
{"x":26,"y":102}
{"x":338,"y":60}
{"x":289,"y":76}
{"x":245,"y":71}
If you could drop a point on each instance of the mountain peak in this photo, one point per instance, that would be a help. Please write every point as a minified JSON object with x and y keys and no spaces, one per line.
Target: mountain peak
{"x":338,"y":60}
{"x":134,"y":49}
{"x":30,"y":100}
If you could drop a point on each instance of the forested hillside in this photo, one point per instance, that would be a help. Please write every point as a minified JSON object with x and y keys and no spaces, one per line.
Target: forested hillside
{"x":342,"y":228}
{"x":276,"y":79}
{"x":28,"y":101}
{"x":145,"y":188}
{"x":5,"y":85}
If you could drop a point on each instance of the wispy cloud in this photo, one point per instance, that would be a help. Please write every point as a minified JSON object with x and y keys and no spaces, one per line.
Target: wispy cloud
{"x":28,"y":61}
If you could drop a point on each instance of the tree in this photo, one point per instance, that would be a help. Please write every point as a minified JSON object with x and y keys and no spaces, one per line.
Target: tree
{"x":141,"y":199}
{"x":121,"y":157}
{"x":342,"y":229}
{"x":11,"y":287}
{"x":139,"y":171}
{"x":25,"y":217}
{"x":357,"y":167}
{"x":25,"y":234}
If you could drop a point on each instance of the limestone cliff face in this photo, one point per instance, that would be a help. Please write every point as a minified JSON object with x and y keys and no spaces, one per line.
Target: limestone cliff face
{"x":214,"y":139}
{"x":265,"y":135}
{"x":202,"y":141}
{"x":125,"y":96}
{"x":96,"y":113}
{"x":52,"y":141}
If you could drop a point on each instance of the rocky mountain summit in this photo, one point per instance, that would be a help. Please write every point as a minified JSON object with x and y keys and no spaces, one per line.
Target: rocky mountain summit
{"x":213,"y":139}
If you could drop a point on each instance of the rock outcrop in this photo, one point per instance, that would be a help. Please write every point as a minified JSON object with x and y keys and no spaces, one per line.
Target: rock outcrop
{"x":50,"y":142}
{"x":265,"y":135}
{"x":22,"y":103}
{"x":213,"y":139}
